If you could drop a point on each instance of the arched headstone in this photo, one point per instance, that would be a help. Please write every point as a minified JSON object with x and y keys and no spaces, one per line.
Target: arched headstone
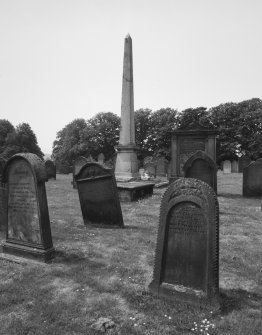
{"x":50,"y":169}
{"x":252,"y":180}
{"x":201,"y":166}
{"x":78,"y":163}
{"x":187,"y":251}
{"x":28,"y":225}
{"x":98,"y":196}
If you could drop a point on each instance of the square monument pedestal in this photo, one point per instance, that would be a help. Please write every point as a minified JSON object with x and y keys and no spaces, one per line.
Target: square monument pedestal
{"x":132,"y":191}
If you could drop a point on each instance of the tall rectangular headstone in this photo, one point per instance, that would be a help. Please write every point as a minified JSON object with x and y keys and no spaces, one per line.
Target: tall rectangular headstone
{"x":98,"y":196}
{"x":252,"y":179}
{"x":226,"y":167}
{"x":28,"y":225}
{"x":186,"y":260}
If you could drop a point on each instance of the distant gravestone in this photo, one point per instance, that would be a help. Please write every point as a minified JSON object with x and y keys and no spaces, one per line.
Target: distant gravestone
{"x":50,"y":169}
{"x":3,"y":207}
{"x":78,"y":163}
{"x":98,"y":196}
{"x":252,"y":180}
{"x":101,"y":158}
{"x":187,"y":251}
{"x":243,"y":162}
{"x":201,"y":166}
{"x":234,"y":166}
{"x":226,"y":167}
{"x":150,"y":168}
{"x":28,"y":225}
{"x":161,"y":166}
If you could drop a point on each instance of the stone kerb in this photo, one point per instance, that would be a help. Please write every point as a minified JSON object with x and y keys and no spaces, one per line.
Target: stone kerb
{"x":28,"y":225}
{"x":252,"y":179}
{"x":187,"y":252}
{"x":98,"y":196}
{"x":202,"y":167}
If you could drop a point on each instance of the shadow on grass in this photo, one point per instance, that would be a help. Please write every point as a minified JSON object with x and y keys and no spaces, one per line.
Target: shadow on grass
{"x":238,"y":299}
{"x":65,"y":257}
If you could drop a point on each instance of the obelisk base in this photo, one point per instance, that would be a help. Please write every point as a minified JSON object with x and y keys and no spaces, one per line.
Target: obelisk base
{"x":126,"y":163}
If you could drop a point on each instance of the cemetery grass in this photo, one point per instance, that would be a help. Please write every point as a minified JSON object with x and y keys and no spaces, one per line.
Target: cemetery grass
{"x":105,"y":272}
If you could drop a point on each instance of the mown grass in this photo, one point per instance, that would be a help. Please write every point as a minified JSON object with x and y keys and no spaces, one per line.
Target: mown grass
{"x":106,"y":272}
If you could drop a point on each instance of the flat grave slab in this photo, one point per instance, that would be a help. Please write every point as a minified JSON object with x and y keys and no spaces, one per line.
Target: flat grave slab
{"x":134,"y":190}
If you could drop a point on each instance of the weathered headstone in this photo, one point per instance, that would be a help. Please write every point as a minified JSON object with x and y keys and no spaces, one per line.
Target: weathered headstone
{"x":243,"y":162}
{"x":50,"y":169}
{"x":187,"y":251}
{"x":28,"y":225}
{"x":98,"y":196}
{"x":201,"y":166}
{"x":78,"y":163}
{"x":226,"y":167}
{"x":234,"y":166}
{"x":252,"y":180}
{"x":161,"y":166}
{"x":3,"y":207}
{"x":101,"y":158}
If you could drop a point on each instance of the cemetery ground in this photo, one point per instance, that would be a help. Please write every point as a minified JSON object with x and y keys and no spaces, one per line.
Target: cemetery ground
{"x":105,"y":273}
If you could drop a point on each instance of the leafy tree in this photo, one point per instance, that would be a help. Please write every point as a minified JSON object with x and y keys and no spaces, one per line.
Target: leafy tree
{"x":142,"y":129}
{"x":5,"y":128}
{"x":193,"y":118}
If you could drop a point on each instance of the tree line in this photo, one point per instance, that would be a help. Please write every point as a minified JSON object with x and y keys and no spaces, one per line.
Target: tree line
{"x":239,"y":126}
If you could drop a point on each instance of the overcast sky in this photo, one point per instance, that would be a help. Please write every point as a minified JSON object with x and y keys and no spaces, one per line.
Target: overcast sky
{"x":63,"y":59}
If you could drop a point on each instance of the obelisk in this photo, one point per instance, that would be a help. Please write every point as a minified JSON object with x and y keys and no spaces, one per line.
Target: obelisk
{"x":126,"y":163}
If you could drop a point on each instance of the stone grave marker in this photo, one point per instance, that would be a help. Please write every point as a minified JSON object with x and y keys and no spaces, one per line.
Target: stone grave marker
{"x":252,"y":180}
{"x":234,"y":166}
{"x":226,"y":167}
{"x":151,"y":169}
{"x":50,"y":169}
{"x":161,"y":166}
{"x":3,"y":207}
{"x":201,"y":166}
{"x":28,"y":225}
{"x":101,"y":158}
{"x":78,"y":163}
{"x":187,"y":252}
{"x":98,"y":196}
{"x":243,"y":162}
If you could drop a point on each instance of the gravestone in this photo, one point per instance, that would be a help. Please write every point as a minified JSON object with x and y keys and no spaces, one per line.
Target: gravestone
{"x":50,"y":169}
{"x":201,"y":166}
{"x":243,"y":162}
{"x":226,"y":167}
{"x":28,"y":225}
{"x":185,"y":142}
{"x":101,"y":158}
{"x":150,"y":168}
{"x":78,"y":163}
{"x":2,"y":164}
{"x":98,"y":196}
{"x":252,"y":180}
{"x":234,"y":167}
{"x":161,"y":166}
{"x":3,"y":207}
{"x":187,"y":252}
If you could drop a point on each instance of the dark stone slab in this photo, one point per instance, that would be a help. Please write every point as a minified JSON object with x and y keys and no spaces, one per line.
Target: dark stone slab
{"x":243,"y":162}
{"x":28,"y":226}
{"x":132,"y":191}
{"x":187,"y":252}
{"x":3,"y":207}
{"x":50,"y":169}
{"x":98,"y":196}
{"x":78,"y":163}
{"x":2,"y":164}
{"x":252,"y":180}
{"x":201,"y":166}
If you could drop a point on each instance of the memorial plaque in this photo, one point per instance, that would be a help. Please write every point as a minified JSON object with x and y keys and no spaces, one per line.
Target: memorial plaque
{"x":186,"y":259}
{"x":50,"y":169}
{"x":78,"y":163}
{"x":243,"y":162}
{"x":252,"y":180}
{"x":226,"y":167}
{"x":28,"y":225}
{"x":3,"y":207}
{"x":98,"y":196}
{"x":201,"y":166}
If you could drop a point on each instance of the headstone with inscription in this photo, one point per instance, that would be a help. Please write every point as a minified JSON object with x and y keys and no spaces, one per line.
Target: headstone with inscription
{"x":3,"y":207}
{"x":28,"y":225}
{"x":50,"y":169}
{"x":185,"y":142}
{"x":243,"y":162}
{"x":78,"y":163}
{"x":252,"y":180}
{"x":201,"y":166}
{"x":98,"y":196}
{"x":226,"y":167}
{"x":234,"y":166}
{"x":187,"y":252}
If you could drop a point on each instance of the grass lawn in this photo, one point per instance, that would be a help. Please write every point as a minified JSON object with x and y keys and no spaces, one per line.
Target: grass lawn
{"x":100,"y":272}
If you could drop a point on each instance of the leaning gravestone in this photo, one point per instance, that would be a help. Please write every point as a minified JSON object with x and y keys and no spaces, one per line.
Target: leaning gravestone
{"x":226,"y":167}
{"x":252,"y":180}
{"x":186,"y":259}
{"x":201,"y":166}
{"x":28,"y":225}
{"x":50,"y":169}
{"x":78,"y":163}
{"x":98,"y":196}
{"x":243,"y":162}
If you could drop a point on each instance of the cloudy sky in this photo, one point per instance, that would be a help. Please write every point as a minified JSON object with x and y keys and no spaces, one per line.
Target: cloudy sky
{"x":62,"y":59}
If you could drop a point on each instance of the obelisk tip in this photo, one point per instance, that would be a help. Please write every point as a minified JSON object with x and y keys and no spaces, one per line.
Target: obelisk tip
{"x":128,"y":36}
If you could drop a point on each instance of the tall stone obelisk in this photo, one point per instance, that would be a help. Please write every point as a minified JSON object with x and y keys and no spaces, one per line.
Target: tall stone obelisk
{"x":126,"y":162}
